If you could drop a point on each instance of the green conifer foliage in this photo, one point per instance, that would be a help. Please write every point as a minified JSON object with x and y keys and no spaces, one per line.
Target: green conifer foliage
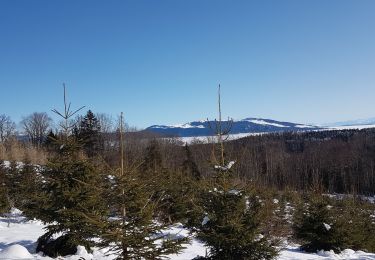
{"x":177,"y":192}
{"x":228,"y":221}
{"x":13,"y":177}
{"x":359,"y":217}
{"x":133,"y":232}
{"x":152,"y":161}
{"x":31,"y":191}
{"x":4,"y":202}
{"x":50,"y":141}
{"x":318,"y":226}
{"x":189,"y":167}
{"x":73,"y":200}
{"x":228,"y":216}
{"x":89,"y":134}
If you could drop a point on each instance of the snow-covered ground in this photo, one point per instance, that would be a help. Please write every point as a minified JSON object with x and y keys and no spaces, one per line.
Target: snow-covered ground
{"x":349,"y":127}
{"x":211,"y":139}
{"x":18,"y":239}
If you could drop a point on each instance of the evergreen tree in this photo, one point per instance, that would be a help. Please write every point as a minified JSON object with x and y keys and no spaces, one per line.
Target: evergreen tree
{"x":228,"y":217}
{"x":172,"y":189}
{"x":4,"y":202}
{"x":318,"y":226}
{"x":89,"y":133}
{"x":73,"y":201}
{"x":189,"y":166}
{"x":31,"y":191}
{"x":134,"y":232}
{"x":13,"y":180}
{"x":228,"y":220}
{"x":72,"y":195}
{"x":152,"y":162}
{"x":50,"y":141}
{"x":358,"y":217}
{"x":177,"y":191}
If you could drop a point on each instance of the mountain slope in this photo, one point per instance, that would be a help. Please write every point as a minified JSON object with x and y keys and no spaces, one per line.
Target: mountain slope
{"x":247,"y":125}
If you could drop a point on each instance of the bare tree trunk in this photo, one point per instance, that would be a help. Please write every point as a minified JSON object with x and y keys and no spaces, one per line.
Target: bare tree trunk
{"x":123,"y":210}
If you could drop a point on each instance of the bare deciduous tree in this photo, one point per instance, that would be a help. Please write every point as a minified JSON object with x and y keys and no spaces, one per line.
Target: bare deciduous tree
{"x":36,"y":126}
{"x":105,"y":122}
{"x":7,"y":127}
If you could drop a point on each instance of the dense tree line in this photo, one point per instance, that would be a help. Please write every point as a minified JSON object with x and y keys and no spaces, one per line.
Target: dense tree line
{"x":342,"y":161}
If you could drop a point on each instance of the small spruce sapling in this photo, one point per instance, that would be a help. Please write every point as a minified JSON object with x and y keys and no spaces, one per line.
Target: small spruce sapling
{"x":318,"y":226}
{"x":228,"y":216}
{"x":73,"y":202}
{"x":133,"y":231}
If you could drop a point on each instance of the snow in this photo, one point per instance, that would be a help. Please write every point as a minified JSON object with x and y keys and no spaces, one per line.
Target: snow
{"x":351,"y":127}
{"x":253,"y":120}
{"x":262,"y":122}
{"x":258,"y":121}
{"x":293,"y":253}
{"x":186,"y":125}
{"x":205,"y":220}
{"x":15,"y":252}
{"x":326,"y":226}
{"x":304,"y":126}
{"x":18,"y":241}
{"x":212,"y":139}
{"x":234,"y":192}
{"x":19,"y":165}
{"x":339,"y":196}
{"x":17,"y":230}
{"x":225,"y":168}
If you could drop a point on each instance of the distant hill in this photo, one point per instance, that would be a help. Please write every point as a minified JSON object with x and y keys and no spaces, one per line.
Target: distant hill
{"x":247,"y":125}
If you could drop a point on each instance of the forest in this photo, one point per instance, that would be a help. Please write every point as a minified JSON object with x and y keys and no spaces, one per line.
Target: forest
{"x":96,"y":182}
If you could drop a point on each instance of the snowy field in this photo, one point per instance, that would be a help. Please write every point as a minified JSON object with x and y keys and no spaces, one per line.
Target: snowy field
{"x":350,"y":127}
{"x":18,"y":240}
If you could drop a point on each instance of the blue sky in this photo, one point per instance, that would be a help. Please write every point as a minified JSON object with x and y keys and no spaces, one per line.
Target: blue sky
{"x":160,"y":61}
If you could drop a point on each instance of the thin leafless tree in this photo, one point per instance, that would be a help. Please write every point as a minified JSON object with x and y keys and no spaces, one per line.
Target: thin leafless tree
{"x":7,"y":127}
{"x":105,"y":122}
{"x":36,"y":126}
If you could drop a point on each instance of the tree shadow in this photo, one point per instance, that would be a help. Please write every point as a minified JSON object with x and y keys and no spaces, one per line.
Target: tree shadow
{"x":13,"y":220}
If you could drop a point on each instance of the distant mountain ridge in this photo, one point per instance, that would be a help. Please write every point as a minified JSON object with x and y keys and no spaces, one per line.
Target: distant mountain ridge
{"x":247,"y":125}
{"x":367,"y":121}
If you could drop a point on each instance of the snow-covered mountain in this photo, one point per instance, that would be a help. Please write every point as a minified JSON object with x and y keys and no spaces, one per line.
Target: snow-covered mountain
{"x":247,"y":125}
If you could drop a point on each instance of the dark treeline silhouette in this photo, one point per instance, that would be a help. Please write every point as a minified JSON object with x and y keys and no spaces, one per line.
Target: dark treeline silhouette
{"x":340,"y":161}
